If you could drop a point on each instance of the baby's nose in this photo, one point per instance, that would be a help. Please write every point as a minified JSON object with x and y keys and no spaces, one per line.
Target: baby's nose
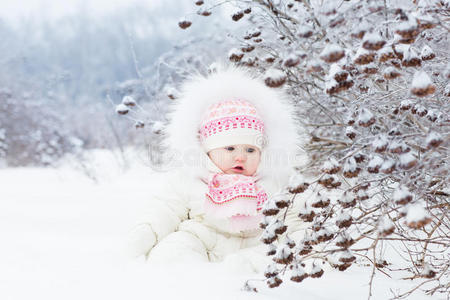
{"x":240,"y":156}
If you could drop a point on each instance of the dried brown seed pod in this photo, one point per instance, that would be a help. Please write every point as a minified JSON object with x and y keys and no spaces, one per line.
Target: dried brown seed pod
{"x":235,"y":55}
{"x":319,"y":201}
{"x":274,"y":282}
{"x":331,"y":166}
{"x":346,"y":257}
{"x":269,"y":59}
{"x":350,"y":132}
{"x":391,"y":73}
{"x":408,"y":29}
{"x":380,"y":144}
{"x":396,"y":63}
{"x":422,"y":85}
{"x":447,"y":90}
{"x":269,"y":208}
{"x":344,"y":220}
{"x":297,"y":184}
{"x":183,"y":24}
{"x":314,"y":66}
{"x":283,"y":256}
{"x":360,"y":30}
{"x":128,"y":101}
{"x":272,"y":250}
{"x":337,"y":21}
{"x":433,"y":140}
{"x":248,"y":48}
{"x":394,"y":131}
{"x":407,"y":161}
{"x":316,"y":271}
{"x":281,"y":201}
{"x":428,"y":272}
{"x":406,"y":104}
{"x":417,"y":216}
{"x":427,"y":53}
{"x":305,"y":249}
{"x":388,"y":166}
{"x":432,"y":116}
{"x":411,"y":59}
{"x":407,"y":41}
{"x":386,"y":53}
{"x":237,"y":15}
{"x":204,"y":12}
{"x":291,"y":61}
{"x":139,"y":124}
{"x":332,"y":87}
{"x":416,"y":108}
{"x":321,"y":236}
{"x":373,"y":41}
{"x":344,"y":241}
{"x":359,"y":157}
{"x":271,"y":271}
{"x":363,"y":57}
{"x":347,"y":200}
{"x":402,"y":196}
{"x":399,"y":50}
{"x":249,"y":61}
{"x":275,"y":78}
{"x":307,"y":215}
{"x":305,"y":31}
{"x":365,"y":118}
{"x":350,"y":169}
{"x":374,"y":164}
{"x":329,"y":181}
{"x":268,"y":237}
{"x":281,"y":229}
{"x":290,"y":243}
{"x":370,"y":69}
{"x":398,"y":147}
{"x":362,"y":195}
{"x":332,"y":53}
{"x":361,"y":186}
{"x":385,"y":226}
{"x":380,"y":79}
{"x":299,"y":275}
{"x":122,"y":109}
{"x":343,"y":267}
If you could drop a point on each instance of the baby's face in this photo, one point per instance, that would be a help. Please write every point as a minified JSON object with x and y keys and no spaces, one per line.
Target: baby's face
{"x":236,"y":159}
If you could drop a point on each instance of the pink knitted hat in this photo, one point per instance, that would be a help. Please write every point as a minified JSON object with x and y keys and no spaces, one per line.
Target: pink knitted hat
{"x":231,"y":122}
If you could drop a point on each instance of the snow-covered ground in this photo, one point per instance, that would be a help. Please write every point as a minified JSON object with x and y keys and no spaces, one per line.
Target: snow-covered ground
{"x":63,"y":236}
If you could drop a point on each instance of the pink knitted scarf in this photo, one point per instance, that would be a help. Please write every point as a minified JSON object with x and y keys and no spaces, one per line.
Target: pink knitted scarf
{"x":237,"y":198}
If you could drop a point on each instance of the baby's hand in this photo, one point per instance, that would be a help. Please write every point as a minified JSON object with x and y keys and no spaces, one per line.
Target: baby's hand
{"x":141,"y":240}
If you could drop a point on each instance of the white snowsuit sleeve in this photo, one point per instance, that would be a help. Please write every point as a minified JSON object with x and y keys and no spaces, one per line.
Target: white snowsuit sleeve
{"x":166,"y":208}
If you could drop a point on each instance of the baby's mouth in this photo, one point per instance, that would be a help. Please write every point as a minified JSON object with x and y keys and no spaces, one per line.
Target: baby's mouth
{"x":238,"y":168}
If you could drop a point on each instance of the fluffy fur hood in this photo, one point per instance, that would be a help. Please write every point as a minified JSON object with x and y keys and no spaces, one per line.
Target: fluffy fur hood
{"x":283,"y":136}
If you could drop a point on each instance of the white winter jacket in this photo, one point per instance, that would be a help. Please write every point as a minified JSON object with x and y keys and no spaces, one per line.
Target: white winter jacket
{"x":174,"y":225}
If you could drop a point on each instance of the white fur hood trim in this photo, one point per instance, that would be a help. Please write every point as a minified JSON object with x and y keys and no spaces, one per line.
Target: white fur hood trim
{"x":282,"y":135}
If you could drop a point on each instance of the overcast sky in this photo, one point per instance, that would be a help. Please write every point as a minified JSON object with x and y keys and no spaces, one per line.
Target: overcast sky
{"x":14,"y":10}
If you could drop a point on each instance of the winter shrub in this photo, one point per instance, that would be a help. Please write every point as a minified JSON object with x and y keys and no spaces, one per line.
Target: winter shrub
{"x":31,"y":133}
{"x":370,"y":80}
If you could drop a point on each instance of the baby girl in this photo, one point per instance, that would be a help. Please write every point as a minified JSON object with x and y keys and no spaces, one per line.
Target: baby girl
{"x":234,"y":142}
{"x":230,"y":133}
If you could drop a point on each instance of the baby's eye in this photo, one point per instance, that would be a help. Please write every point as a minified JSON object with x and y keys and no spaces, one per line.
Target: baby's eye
{"x":229,"y":148}
{"x":250,"y":150}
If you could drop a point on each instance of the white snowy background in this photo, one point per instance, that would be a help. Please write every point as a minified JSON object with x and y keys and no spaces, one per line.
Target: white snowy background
{"x":63,"y":234}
